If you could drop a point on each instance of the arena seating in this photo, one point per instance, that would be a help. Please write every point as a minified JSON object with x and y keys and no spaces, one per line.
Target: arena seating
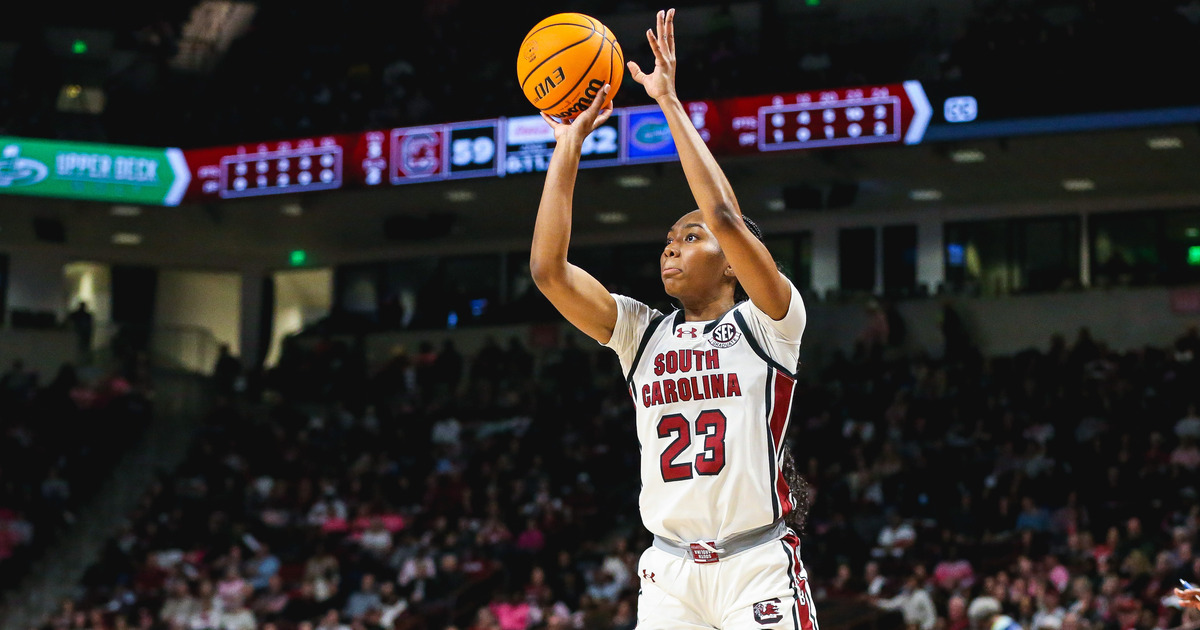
{"x":495,"y":491}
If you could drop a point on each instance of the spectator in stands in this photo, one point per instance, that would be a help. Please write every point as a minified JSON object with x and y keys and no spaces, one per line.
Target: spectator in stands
{"x":895,"y":538}
{"x":238,"y":617}
{"x":273,"y":600}
{"x":262,"y":566}
{"x":986,"y":613}
{"x":956,"y":613}
{"x":391,"y":605}
{"x":366,"y":598}
{"x":227,"y":370}
{"x":83,"y":325}
{"x":1189,"y":425}
{"x":330,"y":621}
{"x":180,"y":605}
{"x":914,"y":602}
{"x":455,"y":553}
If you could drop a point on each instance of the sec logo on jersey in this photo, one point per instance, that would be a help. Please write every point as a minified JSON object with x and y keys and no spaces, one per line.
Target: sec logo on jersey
{"x":724,"y":336}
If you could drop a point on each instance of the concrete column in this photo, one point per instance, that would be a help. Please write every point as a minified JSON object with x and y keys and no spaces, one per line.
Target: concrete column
{"x":1085,"y":251}
{"x":931,"y":259}
{"x":252,"y":343}
{"x":824,"y":258}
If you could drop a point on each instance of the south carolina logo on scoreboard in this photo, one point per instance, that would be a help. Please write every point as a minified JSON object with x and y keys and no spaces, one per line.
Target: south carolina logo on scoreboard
{"x":416,"y":154}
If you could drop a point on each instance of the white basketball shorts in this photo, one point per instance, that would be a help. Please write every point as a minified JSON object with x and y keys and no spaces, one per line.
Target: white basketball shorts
{"x":763,"y":587}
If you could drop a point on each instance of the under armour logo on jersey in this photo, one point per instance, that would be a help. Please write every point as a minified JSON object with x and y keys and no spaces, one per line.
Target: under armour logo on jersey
{"x":647,"y":575}
{"x":689,"y":331}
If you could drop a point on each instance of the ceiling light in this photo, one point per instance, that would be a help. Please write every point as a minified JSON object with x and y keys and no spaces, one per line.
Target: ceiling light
{"x":968,"y":156}
{"x":1164,"y":142}
{"x":460,"y":196}
{"x":612,"y":217}
{"x":292,"y":209}
{"x":1078,"y":185}
{"x":776,"y":205}
{"x":633,"y":181}
{"x":126,"y":211}
{"x":925,"y":194}
{"x":126,"y":238}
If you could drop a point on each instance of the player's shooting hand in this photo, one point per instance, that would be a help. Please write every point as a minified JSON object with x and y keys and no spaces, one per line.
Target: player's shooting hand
{"x":661,"y":82}
{"x":585,"y":123}
{"x":1189,"y":598}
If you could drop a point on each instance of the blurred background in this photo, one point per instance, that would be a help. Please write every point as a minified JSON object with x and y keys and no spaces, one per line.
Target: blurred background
{"x":271,"y":357}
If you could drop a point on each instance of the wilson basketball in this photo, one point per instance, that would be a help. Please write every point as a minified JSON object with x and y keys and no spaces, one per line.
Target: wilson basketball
{"x":565,"y":61}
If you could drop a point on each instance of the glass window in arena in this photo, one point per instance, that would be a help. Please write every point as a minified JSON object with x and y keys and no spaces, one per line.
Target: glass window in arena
{"x":900,"y":260}
{"x":1045,"y":253}
{"x":856,"y":260}
{"x":793,"y":254}
{"x":1004,"y":256}
{"x":977,"y":258}
{"x":1124,"y":249}
{"x":1180,"y":247}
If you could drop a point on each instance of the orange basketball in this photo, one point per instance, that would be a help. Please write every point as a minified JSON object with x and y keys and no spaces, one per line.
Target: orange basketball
{"x":565,"y":61}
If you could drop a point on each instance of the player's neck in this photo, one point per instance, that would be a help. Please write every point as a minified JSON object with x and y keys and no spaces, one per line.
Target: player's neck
{"x":703,"y":310}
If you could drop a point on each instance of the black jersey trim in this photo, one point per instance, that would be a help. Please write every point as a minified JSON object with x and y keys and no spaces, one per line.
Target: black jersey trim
{"x":710,"y":326}
{"x":772,"y":459}
{"x":795,"y":581}
{"x":654,"y":323}
{"x":762,"y":354}
{"x":677,"y":320}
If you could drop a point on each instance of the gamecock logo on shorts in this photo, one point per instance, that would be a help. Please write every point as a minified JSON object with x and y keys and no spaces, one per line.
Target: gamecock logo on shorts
{"x":724,"y":336}
{"x":768,"y":612}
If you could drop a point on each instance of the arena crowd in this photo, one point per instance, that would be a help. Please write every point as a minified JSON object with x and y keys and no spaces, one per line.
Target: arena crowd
{"x":493,"y":491}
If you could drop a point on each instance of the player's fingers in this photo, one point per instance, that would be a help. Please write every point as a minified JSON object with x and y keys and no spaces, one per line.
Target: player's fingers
{"x":653,"y":44}
{"x":554,"y":124}
{"x":598,"y":102}
{"x":636,"y":71}
{"x":662,"y":33}
{"x":604,"y":114}
{"x":670,"y":32}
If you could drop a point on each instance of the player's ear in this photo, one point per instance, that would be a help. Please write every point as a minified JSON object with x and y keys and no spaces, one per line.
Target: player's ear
{"x":729,"y":272}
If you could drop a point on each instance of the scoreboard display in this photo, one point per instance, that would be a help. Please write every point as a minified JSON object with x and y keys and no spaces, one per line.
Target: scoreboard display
{"x":417,"y":154}
{"x":511,"y":146}
{"x":275,"y":168}
{"x":472,"y":149}
{"x":529,"y":143}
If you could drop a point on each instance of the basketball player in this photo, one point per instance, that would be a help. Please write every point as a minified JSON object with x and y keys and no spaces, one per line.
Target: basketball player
{"x":712,"y":383}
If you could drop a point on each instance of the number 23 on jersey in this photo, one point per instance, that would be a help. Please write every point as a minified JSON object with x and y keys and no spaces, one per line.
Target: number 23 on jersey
{"x":711,"y":425}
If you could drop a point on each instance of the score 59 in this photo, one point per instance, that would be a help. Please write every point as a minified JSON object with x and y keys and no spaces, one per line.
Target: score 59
{"x":468,"y":151}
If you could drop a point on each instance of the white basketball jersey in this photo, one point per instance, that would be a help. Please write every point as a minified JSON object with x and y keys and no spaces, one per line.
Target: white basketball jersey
{"x":713,"y":403}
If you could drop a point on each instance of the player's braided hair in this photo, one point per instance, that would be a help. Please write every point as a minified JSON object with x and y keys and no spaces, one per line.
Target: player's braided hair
{"x":739,"y":294}
{"x":801,"y":497}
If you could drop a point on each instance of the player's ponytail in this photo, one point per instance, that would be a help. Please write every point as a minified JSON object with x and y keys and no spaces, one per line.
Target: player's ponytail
{"x":801,"y":497}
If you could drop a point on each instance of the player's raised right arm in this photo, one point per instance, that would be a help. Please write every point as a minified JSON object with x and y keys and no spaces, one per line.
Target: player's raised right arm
{"x":574,"y":292}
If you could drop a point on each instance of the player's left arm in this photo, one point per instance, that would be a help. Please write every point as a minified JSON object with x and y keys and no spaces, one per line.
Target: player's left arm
{"x":749,"y":258}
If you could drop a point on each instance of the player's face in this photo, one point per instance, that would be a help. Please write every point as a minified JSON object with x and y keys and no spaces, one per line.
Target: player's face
{"x":692,"y":263}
